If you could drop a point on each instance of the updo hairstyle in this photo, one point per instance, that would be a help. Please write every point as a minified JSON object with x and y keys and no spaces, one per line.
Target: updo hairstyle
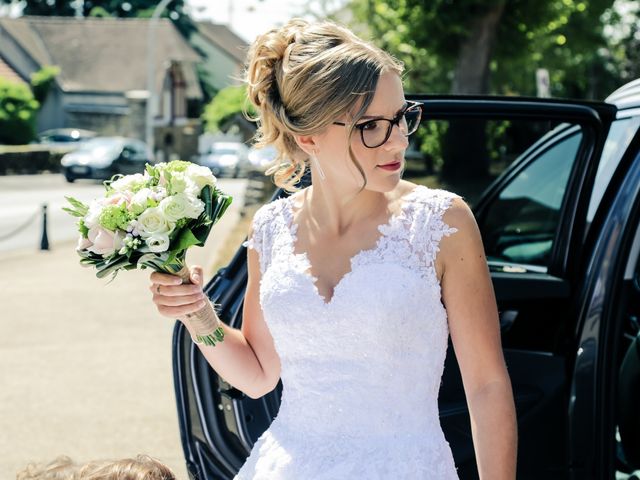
{"x":302,"y":77}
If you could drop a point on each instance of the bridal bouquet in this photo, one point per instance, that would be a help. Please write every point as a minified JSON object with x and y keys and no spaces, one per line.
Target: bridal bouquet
{"x":149,"y":220}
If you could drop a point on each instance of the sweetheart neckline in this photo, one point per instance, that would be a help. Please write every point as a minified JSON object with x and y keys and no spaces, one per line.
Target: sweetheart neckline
{"x":303,"y":256}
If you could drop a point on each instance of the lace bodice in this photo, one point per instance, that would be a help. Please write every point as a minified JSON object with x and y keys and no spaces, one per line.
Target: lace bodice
{"x":360,"y":372}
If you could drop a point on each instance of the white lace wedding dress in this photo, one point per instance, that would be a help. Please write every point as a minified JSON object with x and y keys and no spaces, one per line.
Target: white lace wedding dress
{"x":361,"y":372}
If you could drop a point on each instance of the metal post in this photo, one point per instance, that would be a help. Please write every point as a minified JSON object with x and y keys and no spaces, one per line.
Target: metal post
{"x":151,"y":67}
{"x":44,"y":241}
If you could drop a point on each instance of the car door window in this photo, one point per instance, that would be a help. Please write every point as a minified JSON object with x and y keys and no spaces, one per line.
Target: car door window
{"x":620,"y":135}
{"x":520,"y":224}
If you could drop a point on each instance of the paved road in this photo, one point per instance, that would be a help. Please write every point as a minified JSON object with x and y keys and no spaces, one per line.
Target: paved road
{"x":21,"y":200}
{"x":86,"y":364}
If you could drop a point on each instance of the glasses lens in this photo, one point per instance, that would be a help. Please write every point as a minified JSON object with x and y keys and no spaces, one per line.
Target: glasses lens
{"x":412,"y":119}
{"x":374,"y":132}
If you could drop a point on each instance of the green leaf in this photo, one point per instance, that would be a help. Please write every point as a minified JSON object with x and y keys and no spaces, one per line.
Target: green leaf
{"x":79,"y":209}
{"x":111,"y":267}
{"x":185,"y":240}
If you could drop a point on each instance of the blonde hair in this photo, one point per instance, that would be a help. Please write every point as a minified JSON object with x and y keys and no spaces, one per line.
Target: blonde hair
{"x":143,"y":467}
{"x":301,"y":78}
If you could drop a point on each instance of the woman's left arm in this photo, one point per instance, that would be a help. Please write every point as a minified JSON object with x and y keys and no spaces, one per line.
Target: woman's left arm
{"x":468,"y":296}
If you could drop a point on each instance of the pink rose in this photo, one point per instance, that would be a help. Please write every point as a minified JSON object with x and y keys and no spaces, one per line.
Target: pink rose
{"x":83,"y":243}
{"x":118,"y":198}
{"x":105,"y":242}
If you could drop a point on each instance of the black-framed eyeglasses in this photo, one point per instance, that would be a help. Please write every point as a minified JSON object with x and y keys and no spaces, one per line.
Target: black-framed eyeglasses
{"x":376,"y":132}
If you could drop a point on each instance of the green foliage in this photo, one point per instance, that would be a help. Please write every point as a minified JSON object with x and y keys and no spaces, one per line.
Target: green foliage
{"x":77,"y":209}
{"x":229,"y":101}
{"x":622,"y":29}
{"x":564,"y":36}
{"x":99,"y":12}
{"x":42,"y":81}
{"x":18,"y":109}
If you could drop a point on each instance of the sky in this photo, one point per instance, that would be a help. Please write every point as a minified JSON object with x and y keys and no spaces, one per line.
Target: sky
{"x":249,"y":18}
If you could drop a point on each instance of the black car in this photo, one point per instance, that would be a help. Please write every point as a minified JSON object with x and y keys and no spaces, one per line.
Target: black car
{"x":101,"y":158}
{"x":561,"y":230}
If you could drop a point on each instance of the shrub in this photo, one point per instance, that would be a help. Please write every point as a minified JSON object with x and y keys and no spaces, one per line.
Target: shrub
{"x":25,"y":160}
{"x":18,"y":109}
{"x":42,"y":80}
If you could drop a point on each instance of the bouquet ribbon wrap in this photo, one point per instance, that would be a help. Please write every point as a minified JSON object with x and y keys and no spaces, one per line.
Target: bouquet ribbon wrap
{"x":204,"y":321}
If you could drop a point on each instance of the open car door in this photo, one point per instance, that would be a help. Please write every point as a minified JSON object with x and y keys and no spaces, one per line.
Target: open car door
{"x":533,"y":220}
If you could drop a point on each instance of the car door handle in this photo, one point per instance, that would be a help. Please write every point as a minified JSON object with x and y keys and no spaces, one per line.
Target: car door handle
{"x":507,"y":319}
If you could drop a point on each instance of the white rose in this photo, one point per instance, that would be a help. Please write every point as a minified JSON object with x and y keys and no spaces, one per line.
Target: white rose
{"x":201,"y":176}
{"x":152,"y":221}
{"x":92,"y":218}
{"x":158,"y":242}
{"x":129,"y":182}
{"x":180,"y":206}
{"x":197,"y":205}
{"x":139,"y":201}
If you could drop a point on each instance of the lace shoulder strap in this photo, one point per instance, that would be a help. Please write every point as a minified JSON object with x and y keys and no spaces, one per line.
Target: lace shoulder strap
{"x":267,"y":222}
{"x":427,"y":224}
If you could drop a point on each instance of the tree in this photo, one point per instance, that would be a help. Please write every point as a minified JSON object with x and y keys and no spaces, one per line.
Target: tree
{"x":488,"y":46}
{"x":18,"y":110}
{"x":230,"y":103}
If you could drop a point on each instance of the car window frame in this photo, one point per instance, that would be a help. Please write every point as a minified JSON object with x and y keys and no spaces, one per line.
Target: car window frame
{"x":594,"y":118}
{"x":540,"y":148}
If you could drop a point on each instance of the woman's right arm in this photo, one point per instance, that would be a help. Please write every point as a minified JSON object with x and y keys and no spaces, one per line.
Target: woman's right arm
{"x":247,"y":358}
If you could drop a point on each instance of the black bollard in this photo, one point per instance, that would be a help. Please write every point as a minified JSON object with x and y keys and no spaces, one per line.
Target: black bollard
{"x":44,"y":242}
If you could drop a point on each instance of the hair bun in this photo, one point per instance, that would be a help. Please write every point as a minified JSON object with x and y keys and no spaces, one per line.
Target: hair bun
{"x":266,"y":57}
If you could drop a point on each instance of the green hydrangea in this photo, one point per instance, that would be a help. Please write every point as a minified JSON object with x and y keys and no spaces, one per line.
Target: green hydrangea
{"x":177,"y":166}
{"x":115,"y":217}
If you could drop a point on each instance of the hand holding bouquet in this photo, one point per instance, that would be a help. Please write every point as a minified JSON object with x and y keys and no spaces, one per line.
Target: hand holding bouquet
{"x":149,"y":221}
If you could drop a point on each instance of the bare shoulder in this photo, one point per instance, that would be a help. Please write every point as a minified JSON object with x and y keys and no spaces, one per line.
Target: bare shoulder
{"x":459,"y":215}
{"x":464,"y":243}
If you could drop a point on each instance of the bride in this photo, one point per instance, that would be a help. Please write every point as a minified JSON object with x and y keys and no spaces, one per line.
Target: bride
{"x":356,"y":282}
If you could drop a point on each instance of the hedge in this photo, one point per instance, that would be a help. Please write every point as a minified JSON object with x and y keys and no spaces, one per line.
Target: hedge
{"x":26,"y":160}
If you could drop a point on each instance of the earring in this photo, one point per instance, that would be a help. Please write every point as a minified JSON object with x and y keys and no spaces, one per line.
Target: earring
{"x":315,"y":161}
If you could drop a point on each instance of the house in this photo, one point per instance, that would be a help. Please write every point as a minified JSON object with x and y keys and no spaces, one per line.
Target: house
{"x":223,"y":52}
{"x":10,"y":74}
{"x":103,"y":81}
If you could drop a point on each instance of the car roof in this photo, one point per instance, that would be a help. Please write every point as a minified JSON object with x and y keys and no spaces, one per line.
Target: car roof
{"x":117,"y":139}
{"x":67,"y":130}
{"x":627,"y":96}
{"x":227,"y":144}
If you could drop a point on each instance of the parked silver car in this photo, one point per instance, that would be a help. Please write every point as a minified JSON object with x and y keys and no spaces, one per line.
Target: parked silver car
{"x":226,"y":158}
{"x":261,"y":158}
{"x":102,"y":157}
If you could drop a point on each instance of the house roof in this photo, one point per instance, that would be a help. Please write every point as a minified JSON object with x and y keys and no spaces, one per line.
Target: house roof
{"x":225,"y":39}
{"x":102,"y":54}
{"x":9,"y":73}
